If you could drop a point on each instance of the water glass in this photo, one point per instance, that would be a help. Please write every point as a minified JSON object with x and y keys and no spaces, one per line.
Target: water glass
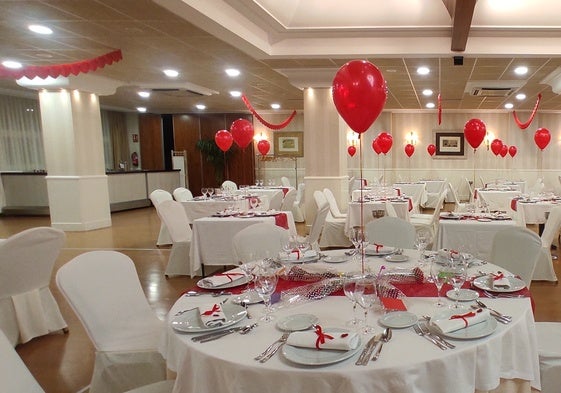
{"x":457,"y":274}
{"x":422,"y":239}
{"x":350,"y":289}
{"x":438,"y":274}
{"x":367,"y":296}
{"x":265,"y":285}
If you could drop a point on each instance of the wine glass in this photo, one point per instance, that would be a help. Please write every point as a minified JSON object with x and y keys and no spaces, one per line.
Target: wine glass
{"x":366,"y":297}
{"x":203,"y":192}
{"x":422,"y":239}
{"x":358,"y":239}
{"x":253,"y":202}
{"x":456,"y":273}
{"x":439,"y":276}
{"x":350,"y":289}
{"x":265,"y":284}
{"x":289,"y":245}
{"x":303,"y":245}
{"x":210,"y":191}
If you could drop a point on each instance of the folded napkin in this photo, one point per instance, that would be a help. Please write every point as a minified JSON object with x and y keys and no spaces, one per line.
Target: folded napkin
{"x":378,"y":248}
{"x":446,"y":254}
{"x":281,"y":220}
{"x":223,"y":278}
{"x":296,"y":255}
{"x":329,"y":339}
{"x":461,"y":320}
{"x":212,"y":316}
{"x":498,"y":280}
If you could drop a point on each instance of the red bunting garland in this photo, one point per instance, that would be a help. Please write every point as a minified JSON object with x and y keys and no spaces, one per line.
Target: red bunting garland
{"x":263,"y":121}
{"x":523,"y":126}
{"x":439,"y":109}
{"x":56,"y":70}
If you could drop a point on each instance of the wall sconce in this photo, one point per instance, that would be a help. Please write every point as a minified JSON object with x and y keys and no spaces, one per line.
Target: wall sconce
{"x":489,"y":137}
{"x":352,"y":138}
{"x":412,"y":138}
{"x":259,"y":137}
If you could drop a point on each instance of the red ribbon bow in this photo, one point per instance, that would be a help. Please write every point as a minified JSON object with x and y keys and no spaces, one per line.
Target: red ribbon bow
{"x":454,"y":252}
{"x":378,"y":246}
{"x":498,"y":276}
{"x":465,"y":316}
{"x":321,"y":337}
{"x":297,"y":252}
{"x":215,"y":308}
{"x":229,"y":275}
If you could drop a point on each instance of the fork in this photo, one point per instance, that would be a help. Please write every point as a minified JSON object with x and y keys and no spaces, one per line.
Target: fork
{"x":272,"y":349}
{"x":425,"y":329}
{"x":505,"y":295}
{"x":500,"y":317}
{"x":432,"y":340}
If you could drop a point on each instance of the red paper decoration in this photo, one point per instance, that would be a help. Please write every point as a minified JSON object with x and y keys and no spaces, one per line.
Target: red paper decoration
{"x":525,"y":125}
{"x":263,"y":121}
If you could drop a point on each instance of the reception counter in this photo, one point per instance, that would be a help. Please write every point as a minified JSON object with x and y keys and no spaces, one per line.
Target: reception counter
{"x":25,"y":193}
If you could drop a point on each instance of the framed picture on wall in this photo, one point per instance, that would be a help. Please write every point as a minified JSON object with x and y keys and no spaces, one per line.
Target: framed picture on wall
{"x":450,"y":143}
{"x":289,"y":144}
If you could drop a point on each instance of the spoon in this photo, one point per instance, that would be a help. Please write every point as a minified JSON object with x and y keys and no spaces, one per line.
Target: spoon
{"x":192,"y":293}
{"x":386,"y":336}
{"x":245,"y":303}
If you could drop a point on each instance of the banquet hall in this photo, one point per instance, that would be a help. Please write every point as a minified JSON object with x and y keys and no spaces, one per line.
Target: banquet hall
{"x":84,"y":154}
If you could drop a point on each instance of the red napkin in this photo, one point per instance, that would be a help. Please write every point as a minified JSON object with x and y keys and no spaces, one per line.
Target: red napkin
{"x":284,"y":190}
{"x":398,"y":191}
{"x":410,"y":204}
{"x":393,"y":304}
{"x":281,"y":220}
{"x":475,"y":194}
{"x":514,"y":204}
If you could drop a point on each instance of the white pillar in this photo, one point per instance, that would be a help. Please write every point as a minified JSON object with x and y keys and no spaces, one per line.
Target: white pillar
{"x":73,"y":141}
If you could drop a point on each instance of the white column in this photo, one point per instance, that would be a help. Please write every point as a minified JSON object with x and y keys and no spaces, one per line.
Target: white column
{"x":73,"y":141}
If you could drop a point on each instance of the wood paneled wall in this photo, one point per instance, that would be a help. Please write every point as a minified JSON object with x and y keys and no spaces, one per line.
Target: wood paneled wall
{"x":151,"y":143}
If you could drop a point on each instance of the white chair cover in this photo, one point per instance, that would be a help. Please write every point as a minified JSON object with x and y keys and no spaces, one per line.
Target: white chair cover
{"x":544,"y":267}
{"x":470,"y":190}
{"x":275,"y":202}
{"x":288,"y":200}
{"x":298,"y":209}
{"x":103,"y":289}
{"x":537,"y":187}
{"x":157,"y":197}
{"x":158,"y":387}
{"x":317,"y":226}
{"x":416,"y":200}
{"x":333,"y":206}
{"x":27,"y":306}
{"x":517,"y":250}
{"x":351,"y":186}
{"x":182,"y":194}
{"x":229,"y":185}
{"x":433,"y":198}
{"x":258,"y":241}
{"x":429,"y":221}
{"x":285,"y":182}
{"x":391,"y":231}
{"x":549,"y":352}
{"x":14,"y":374}
{"x":458,"y":206}
{"x":390,"y":210}
{"x":333,"y":233}
{"x":174,"y":217}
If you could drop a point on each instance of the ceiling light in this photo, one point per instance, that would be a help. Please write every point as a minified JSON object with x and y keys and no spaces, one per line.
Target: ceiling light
{"x":171,"y":73}
{"x":521,"y":96}
{"x":427,"y":92}
{"x":275,"y":106}
{"x":141,"y":109}
{"x":508,"y":105}
{"x":12,"y":64}
{"x":235,"y":93}
{"x":144,"y":94}
{"x":200,"y":107}
{"x":423,"y":70}
{"x":430,"y":105}
{"x":40,"y":29}
{"x":232,"y":72}
{"x":521,"y":70}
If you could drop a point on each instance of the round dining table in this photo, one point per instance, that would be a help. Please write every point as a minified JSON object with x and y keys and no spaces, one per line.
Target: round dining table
{"x":505,"y":359}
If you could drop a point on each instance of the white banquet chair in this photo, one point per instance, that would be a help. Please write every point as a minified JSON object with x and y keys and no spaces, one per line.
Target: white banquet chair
{"x":173,"y":215}
{"x":317,"y":226}
{"x":429,"y":221}
{"x":229,"y":186}
{"x":298,"y":209}
{"x":288,"y":200}
{"x":15,"y":377}
{"x":275,"y":202}
{"x":471,"y":190}
{"x":544,"y":267}
{"x":157,"y":387}
{"x":549,"y":354}
{"x":517,"y":250}
{"x":433,"y":198}
{"x":333,"y":233}
{"x":104,"y":291}
{"x":27,"y":306}
{"x":258,"y":241}
{"x":333,"y":206}
{"x":391,"y":231}
{"x":157,"y":197}
{"x":284,"y":181}
{"x":458,"y":206}
{"x":182,"y":194}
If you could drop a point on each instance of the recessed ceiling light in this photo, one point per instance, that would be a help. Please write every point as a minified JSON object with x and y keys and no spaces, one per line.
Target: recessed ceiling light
{"x":521,"y":70}
{"x":40,"y":29}
{"x":235,"y":93}
{"x":430,"y":105}
{"x":144,"y":94}
{"x":275,"y":106}
{"x":521,"y":96}
{"x":423,"y":70}
{"x":232,"y":72}
{"x":171,"y":73}
{"x":508,"y":105}
{"x":391,"y":70}
{"x":12,"y":64}
{"x":200,"y":107}
{"x":427,"y":92}
{"x":141,"y":109}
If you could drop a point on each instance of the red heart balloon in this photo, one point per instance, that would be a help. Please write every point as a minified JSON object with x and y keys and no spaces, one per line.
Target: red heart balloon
{"x":359,"y":93}
{"x":263,"y":146}
{"x":242,"y":131}
{"x":385,"y":141}
{"x":351,"y":150}
{"x":512,"y":151}
{"x":223,"y":140}
{"x":409,"y":149}
{"x":496,"y":146}
{"x":376,"y":146}
{"x":542,"y":137}
{"x":504,"y":151}
{"x":431,"y":149}
{"x":475,"y":131}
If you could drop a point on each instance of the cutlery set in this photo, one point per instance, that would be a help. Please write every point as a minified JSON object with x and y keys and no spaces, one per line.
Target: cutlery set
{"x":272,"y":349}
{"x":216,"y":335}
{"x":423,"y":331}
{"x":502,"y":318}
{"x":374,"y":345}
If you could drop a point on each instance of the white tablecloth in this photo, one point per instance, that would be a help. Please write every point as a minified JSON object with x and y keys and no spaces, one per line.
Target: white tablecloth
{"x":198,"y":208}
{"x":353,"y":212}
{"x":408,"y":363}
{"x":496,"y":199}
{"x":534,"y":212}
{"x":376,"y":191}
{"x":412,"y":189}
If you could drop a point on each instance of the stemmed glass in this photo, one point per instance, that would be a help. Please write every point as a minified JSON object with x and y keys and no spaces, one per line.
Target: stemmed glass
{"x":358,"y":239}
{"x":210,"y":191}
{"x":303,"y":245}
{"x":204,"y":190}
{"x":265,"y":284}
{"x":439,"y":276}
{"x":289,"y":245}
{"x":247,"y":268}
{"x":366,"y":297}
{"x":422,"y":239}
{"x":456,"y":273}
{"x":253,"y":202}
{"x":350,"y":289}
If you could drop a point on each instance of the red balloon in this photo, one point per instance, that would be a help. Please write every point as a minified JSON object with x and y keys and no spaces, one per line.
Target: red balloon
{"x":223,"y":140}
{"x":409,"y":149}
{"x":359,"y":93}
{"x":376,"y":146}
{"x":242,"y":131}
{"x":512,"y":151}
{"x":351,"y":150}
{"x":496,"y":146}
{"x":385,"y":141}
{"x":542,"y":137}
{"x":504,"y":151}
{"x":431,"y":149}
{"x":475,"y":131}
{"x":263,"y":146}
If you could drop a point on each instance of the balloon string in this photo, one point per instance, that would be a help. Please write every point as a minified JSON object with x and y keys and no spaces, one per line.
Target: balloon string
{"x":362,"y":266}
{"x":439,"y":109}
{"x":525,"y":125}
{"x":263,"y":121}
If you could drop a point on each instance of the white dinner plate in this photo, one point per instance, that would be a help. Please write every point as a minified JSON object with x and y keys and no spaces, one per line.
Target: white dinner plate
{"x":478,"y":330}
{"x":448,"y":216}
{"x":311,"y":258}
{"x":317,"y":357}
{"x":464,"y":295}
{"x":236,"y":283}
{"x":248,"y":215}
{"x":484,"y":282}
{"x":335,"y":258}
{"x":190,"y":321}
{"x":371,"y":250}
{"x":484,"y":220}
{"x":295,"y":322}
{"x":397,"y":258}
{"x":398,"y":319}
{"x":252,"y":296}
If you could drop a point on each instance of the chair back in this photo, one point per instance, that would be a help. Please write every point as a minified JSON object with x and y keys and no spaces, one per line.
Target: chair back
{"x":284,"y":181}
{"x":351,"y":185}
{"x":390,"y":210}
{"x":438,"y":207}
{"x":301,"y":194}
{"x":391,"y":231}
{"x":333,"y":206}
{"x":173,"y":215}
{"x":317,"y":225}
{"x":517,"y":250}
{"x":182,"y":194}
{"x":229,"y":185}
{"x":470,"y":190}
{"x":275,"y":202}
{"x":552,"y":226}
{"x":288,"y":200}
{"x":320,"y":199}
{"x":158,"y":196}
{"x":257,"y":241}
{"x":14,"y":374}
{"x":104,"y":291}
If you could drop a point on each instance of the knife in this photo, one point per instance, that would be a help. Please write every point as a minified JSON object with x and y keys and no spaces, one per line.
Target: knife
{"x":368,"y":349}
{"x":214,"y":335}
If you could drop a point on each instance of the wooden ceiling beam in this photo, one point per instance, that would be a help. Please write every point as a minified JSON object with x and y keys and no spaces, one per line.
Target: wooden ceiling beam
{"x":461,"y":23}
